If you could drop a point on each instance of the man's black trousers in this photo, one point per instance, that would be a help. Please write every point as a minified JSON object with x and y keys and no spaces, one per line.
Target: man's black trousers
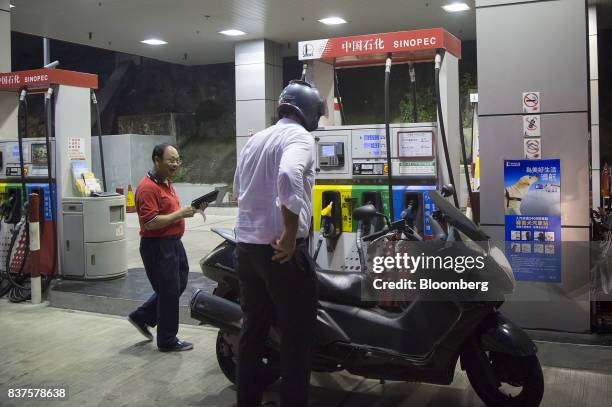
{"x":284,"y":295}
{"x":167,"y":268}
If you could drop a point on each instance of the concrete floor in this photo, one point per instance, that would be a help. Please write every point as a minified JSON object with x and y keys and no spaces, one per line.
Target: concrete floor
{"x":104,"y":362}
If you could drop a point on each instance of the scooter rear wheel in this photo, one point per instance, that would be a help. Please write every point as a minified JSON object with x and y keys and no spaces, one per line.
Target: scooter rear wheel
{"x":521,"y":374}
{"x":227,"y":352}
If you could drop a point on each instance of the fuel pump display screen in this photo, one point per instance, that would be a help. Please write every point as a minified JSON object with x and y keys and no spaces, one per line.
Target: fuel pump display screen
{"x":415,"y":144}
{"x":39,"y":154}
{"x":328,"y":151}
{"x":331,"y":154}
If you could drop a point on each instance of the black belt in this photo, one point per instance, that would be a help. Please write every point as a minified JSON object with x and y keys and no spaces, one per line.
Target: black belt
{"x":161,"y":237}
{"x":298,"y":241}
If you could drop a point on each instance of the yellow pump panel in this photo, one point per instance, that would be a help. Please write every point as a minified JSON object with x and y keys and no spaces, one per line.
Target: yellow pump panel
{"x":346,"y":192}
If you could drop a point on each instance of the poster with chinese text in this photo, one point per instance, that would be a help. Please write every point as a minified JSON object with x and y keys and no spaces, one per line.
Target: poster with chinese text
{"x":532,"y":207}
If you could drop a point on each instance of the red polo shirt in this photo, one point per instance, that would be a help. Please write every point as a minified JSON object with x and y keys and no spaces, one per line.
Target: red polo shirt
{"x":155,"y":198}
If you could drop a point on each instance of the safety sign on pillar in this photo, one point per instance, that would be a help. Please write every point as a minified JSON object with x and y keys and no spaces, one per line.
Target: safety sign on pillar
{"x":531,"y":126}
{"x":532,"y":129}
{"x":531,"y":102}
{"x":532,"y":148}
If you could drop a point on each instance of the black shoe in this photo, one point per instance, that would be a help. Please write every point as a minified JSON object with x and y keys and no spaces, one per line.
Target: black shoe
{"x":178,"y":346}
{"x":142,"y":328}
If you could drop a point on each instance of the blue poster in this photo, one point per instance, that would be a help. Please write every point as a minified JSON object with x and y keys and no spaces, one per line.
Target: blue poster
{"x":532,"y":207}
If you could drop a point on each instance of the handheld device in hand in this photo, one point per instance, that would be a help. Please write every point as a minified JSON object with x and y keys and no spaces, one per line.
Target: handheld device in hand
{"x":208,"y":198}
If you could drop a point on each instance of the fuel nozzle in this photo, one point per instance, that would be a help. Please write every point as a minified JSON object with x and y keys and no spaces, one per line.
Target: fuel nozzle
{"x":327,"y":226}
{"x":409,"y":213}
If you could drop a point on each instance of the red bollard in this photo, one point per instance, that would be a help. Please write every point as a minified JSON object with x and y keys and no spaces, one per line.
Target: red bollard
{"x":34,"y":255}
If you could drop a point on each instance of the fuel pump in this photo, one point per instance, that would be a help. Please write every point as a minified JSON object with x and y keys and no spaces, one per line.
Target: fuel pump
{"x":81,"y":236}
{"x":17,"y":234}
{"x":392,"y":166}
{"x":23,"y":160}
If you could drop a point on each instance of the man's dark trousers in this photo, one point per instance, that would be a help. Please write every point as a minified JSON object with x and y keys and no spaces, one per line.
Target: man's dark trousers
{"x":284,"y":295}
{"x":167,"y":268}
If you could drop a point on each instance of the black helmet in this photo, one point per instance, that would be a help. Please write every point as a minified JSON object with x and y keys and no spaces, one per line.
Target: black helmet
{"x":303,"y":100}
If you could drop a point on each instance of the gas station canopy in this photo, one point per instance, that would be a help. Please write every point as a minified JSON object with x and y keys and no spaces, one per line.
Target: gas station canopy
{"x":39,"y":80}
{"x":372,"y":49}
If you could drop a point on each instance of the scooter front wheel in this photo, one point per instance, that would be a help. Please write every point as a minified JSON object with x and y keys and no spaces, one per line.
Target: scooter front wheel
{"x":227,"y":356}
{"x":503,"y":380}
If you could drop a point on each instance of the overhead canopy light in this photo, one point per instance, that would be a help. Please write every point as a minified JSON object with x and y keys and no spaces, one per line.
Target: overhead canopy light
{"x":332,"y":20}
{"x":232,"y":32}
{"x":11,"y":6}
{"x":154,"y":41}
{"x":455,"y":7}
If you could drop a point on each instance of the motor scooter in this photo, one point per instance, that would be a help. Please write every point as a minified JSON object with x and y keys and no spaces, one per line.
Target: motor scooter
{"x":420,"y":341}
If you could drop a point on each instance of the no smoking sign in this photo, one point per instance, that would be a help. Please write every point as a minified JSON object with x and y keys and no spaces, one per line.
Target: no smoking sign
{"x":531,"y":102}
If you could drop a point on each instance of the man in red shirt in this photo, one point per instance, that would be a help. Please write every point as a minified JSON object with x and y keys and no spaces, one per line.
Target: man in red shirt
{"x":162,"y":225}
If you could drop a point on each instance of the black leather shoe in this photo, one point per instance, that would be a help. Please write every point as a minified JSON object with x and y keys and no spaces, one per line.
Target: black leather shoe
{"x":142,"y":328}
{"x":179,"y":346}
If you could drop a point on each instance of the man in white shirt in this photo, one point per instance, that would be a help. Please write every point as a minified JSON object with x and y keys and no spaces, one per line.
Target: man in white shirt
{"x":274,"y":179}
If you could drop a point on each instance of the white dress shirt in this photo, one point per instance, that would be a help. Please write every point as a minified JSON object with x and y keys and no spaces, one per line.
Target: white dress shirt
{"x":275,"y":168}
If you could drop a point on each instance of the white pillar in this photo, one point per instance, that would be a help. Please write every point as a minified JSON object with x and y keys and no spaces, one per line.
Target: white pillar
{"x":321,"y":75}
{"x":259,"y":81}
{"x":72,"y":120}
{"x":8,"y":100}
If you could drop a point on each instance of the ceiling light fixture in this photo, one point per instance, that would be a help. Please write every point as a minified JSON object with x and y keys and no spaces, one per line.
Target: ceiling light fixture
{"x":455,"y":7}
{"x":11,"y":6}
{"x":232,"y":32}
{"x":332,"y":21}
{"x":154,"y":41}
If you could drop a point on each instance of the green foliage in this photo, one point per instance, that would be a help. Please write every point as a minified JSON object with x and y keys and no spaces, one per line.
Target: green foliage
{"x":426,"y":102}
{"x":426,"y":106}
{"x":181,"y":175}
{"x":467,"y":85}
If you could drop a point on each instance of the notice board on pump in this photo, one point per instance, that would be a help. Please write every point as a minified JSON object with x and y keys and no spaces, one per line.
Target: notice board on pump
{"x":415,"y":144}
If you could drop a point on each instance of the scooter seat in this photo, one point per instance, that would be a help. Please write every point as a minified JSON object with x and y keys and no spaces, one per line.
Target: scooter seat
{"x":340,"y":287}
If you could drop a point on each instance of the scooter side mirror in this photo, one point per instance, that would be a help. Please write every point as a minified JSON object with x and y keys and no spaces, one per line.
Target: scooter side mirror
{"x":365,"y":213}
